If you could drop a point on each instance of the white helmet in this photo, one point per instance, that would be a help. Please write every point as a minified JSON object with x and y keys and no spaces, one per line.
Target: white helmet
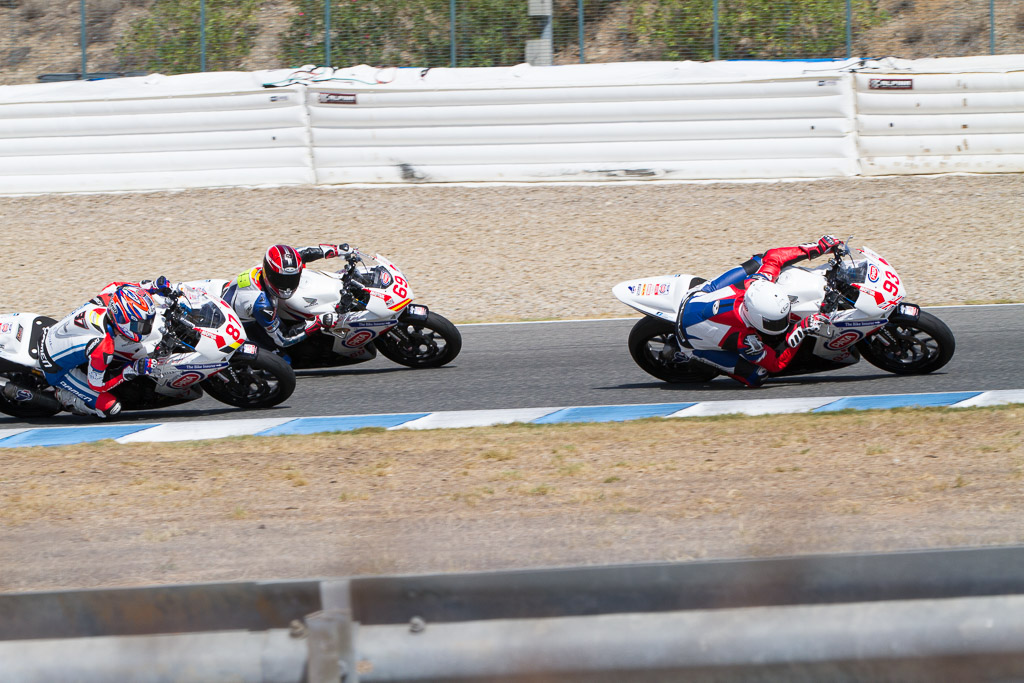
{"x":765,"y":307}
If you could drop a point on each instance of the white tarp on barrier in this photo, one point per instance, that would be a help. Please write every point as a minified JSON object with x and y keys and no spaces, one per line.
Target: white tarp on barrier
{"x":645,"y":120}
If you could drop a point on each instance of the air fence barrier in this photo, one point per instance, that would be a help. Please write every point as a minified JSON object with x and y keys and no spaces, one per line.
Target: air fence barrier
{"x":594,"y":122}
{"x":930,"y":615}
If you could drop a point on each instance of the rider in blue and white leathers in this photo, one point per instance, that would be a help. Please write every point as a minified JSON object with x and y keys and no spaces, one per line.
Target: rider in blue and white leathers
{"x":87,"y":353}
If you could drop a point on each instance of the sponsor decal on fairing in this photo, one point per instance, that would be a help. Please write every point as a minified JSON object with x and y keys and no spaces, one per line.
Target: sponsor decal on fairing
{"x":358,"y":339}
{"x":845,"y":339}
{"x":873,"y":273}
{"x":186,"y":380}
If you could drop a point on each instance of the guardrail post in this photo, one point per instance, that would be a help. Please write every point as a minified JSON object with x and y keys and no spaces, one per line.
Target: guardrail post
{"x":331,"y":633}
{"x":84,"y":40}
{"x":540,"y":52}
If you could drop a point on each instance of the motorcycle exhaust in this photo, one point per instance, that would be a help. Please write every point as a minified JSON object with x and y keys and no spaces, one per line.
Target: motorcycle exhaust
{"x":17,"y":394}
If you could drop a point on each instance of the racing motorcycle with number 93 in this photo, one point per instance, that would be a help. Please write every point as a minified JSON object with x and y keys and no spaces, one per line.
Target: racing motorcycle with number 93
{"x":859,"y":290}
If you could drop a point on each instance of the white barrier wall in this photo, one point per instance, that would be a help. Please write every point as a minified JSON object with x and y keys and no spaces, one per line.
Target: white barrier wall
{"x":913,"y":122}
{"x":796,"y":126}
{"x":647,"y":120}
{"x":151,"y":133}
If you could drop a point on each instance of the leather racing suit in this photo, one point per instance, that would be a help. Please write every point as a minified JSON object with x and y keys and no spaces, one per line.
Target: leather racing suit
{"x":711,"y":330}
{"x":85,"y":359}
{"x":252,"y":301}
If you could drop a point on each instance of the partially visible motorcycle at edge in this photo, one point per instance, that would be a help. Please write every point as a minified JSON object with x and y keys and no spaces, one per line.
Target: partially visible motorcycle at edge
{"x":373,"y":303}
{"x":863,"y":296}
{"x":198,"y":344}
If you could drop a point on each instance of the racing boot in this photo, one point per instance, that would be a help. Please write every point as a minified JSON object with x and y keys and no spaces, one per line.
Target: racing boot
{"x":106,"y":404}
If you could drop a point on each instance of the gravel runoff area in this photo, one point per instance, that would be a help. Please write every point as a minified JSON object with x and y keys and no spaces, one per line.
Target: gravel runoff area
{"x":107,"y":515}
{"x":520,"y":252}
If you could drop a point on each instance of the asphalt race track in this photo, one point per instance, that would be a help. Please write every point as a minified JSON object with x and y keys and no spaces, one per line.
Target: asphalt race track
{"x":584,"y":363}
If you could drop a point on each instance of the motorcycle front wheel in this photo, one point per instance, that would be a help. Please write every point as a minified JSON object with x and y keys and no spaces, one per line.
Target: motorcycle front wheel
{"x":262,"y":382}
{"x":910,"y":348}
{"x":653,"y":346}
{"x":428,"y":343}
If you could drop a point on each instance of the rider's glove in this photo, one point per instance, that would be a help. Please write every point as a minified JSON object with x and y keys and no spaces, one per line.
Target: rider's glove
{"x":161,"y":286}
{"x":828,"y":243}
{"x":335,"y":250}
{"x":140,"y":367}
{"x":327,"y":320}
{"x":811,"y":323}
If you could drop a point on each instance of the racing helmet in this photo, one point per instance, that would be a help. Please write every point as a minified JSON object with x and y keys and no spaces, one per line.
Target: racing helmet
{"x":765,"y":307}
{"x":282,"y":269}
{"x":132,"y":312}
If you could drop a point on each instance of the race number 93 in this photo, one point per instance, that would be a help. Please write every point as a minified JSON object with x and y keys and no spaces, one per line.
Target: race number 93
{"x":892,"y":282}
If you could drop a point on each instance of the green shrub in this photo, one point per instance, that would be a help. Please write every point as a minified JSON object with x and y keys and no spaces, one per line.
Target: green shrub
{"x":417,"y":32}
{"x":748,"y":29}
{"x":167,"y":40}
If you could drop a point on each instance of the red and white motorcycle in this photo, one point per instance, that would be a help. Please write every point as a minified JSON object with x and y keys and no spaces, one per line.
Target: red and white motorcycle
{"x":198,"y":344}
{"x":863,"y":296}
{"x":373,"y":303}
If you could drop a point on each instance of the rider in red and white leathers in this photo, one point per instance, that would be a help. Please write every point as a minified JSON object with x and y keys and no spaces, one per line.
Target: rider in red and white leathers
{"x":256,"y":293}
{"x":734,"y":322}
{"x":89,"y":352}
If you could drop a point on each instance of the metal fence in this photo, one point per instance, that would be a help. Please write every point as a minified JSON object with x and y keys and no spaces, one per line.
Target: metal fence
{"x":52,"y":39}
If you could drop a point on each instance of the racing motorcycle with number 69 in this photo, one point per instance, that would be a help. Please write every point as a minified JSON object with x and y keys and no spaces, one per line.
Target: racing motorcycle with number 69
{"x":860,"y":292}
{"x":373,"y":304}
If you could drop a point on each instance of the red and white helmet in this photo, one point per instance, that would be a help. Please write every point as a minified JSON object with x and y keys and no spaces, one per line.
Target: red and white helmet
{"x":282,"y":270}
{"x":132,"y":311}
{"x":766,"y":307}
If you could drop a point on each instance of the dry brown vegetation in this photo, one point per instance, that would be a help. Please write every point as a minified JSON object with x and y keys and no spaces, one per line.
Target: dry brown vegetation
{"x":41,"y":36}
{"x":376,"y":501}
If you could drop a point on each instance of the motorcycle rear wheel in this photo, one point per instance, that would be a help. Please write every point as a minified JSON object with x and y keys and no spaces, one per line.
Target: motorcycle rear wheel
{"x":653,"y":346}
{"x":262,"y":382}
{"x":428,"y":343}
{"x":914,"y":348}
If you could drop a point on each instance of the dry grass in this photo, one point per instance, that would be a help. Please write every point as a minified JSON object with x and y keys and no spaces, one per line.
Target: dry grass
{"x":727,"y":485}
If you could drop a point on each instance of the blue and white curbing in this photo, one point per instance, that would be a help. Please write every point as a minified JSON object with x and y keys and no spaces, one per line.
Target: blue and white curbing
{"x":275,"y":426}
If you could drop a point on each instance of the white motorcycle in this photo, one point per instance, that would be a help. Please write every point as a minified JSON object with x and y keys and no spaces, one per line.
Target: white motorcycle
{"x":373,"y":303}
{"x":862,"y":295}
{"x":198,"y":343}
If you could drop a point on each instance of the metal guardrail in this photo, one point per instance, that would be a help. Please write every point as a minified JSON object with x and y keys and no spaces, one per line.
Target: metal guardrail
{"x":927,"y":615}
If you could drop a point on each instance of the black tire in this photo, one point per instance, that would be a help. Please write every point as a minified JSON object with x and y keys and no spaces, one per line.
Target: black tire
{"x":653,"y":345}
{"x":913,"y":348}
{"x":428,"y":343}
{"x":262,"y":382}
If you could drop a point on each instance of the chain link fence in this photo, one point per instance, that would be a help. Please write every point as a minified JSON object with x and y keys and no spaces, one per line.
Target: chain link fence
{"x":63,"y":39}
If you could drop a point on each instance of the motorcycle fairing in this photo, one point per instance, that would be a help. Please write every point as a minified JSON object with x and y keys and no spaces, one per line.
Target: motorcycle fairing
{"x":658,"y":296}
